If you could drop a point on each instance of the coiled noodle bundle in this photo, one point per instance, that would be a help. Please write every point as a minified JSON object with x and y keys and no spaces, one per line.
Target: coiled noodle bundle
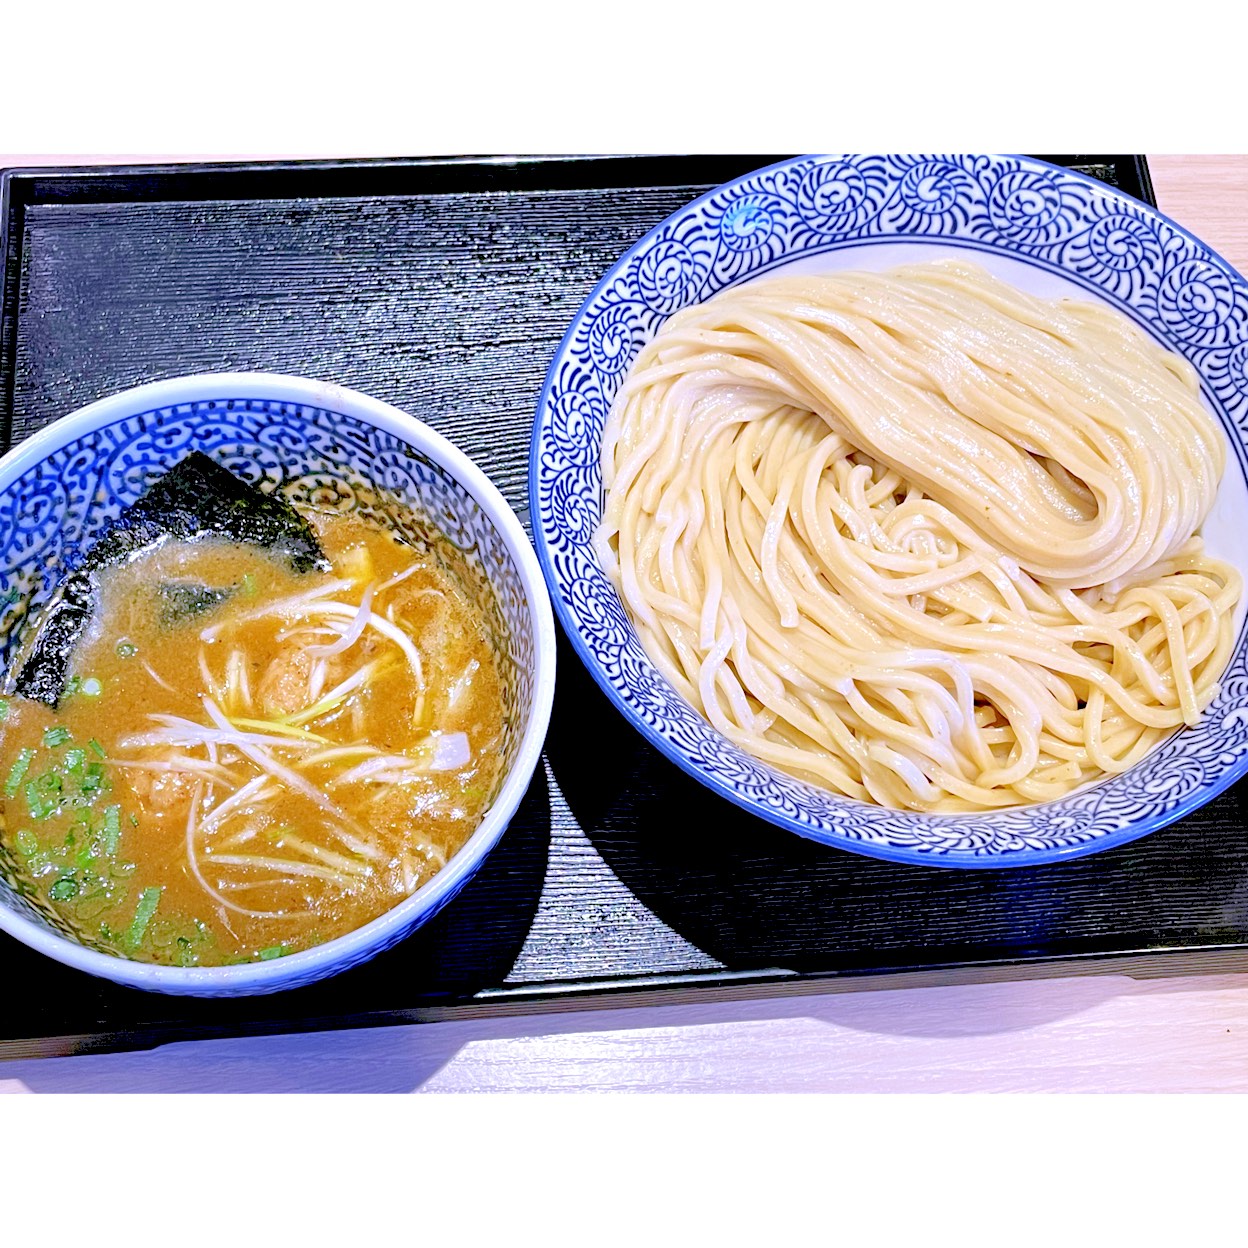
{"x":919,"y":537}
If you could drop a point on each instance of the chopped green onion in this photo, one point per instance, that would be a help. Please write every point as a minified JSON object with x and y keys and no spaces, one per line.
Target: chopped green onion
{"x":65,"y":888}
{"x":149,"y":899}
{"x":85,"y":859}
{"x":57,"y":735}
{"x":27,"y":842}
{"x":248,"y":588}
{"x":4,"y":709}
{"x":126,"y":649}
{"x":72,"y":685}
{"x":39,"y":804}
{"x":93,"y":779}
{"x":273,"y":951}
{"x":21,"y":764}
{"x":75,"y":759}
{"x":112,"y":829}
{"x":100,"y":751}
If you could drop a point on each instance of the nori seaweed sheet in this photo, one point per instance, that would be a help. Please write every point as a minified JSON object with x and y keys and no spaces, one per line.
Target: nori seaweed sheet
{"x":196,"y":498}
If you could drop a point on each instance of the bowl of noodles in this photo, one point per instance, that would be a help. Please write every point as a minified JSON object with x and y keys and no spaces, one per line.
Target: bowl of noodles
{"x":279,"y":663}
{"x":899,"y":500}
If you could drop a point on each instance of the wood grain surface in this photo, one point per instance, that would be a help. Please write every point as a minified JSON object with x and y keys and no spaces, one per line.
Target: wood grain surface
{"x":1091,"y":1033}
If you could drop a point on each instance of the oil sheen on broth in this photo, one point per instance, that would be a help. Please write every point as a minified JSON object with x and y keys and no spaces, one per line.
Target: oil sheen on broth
{"x":249,"y":762}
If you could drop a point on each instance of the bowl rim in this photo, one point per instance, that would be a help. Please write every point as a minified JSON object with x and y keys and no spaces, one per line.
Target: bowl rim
{"x":360,"y":943}
{"x":821,"y":833}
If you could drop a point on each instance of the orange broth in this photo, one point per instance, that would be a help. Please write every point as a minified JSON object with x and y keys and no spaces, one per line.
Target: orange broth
{"x":214,"y":788}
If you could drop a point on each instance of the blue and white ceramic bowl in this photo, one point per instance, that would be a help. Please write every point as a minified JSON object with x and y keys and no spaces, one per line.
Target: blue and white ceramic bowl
{"x":310,"y":440}
{"x":1045,"y":229}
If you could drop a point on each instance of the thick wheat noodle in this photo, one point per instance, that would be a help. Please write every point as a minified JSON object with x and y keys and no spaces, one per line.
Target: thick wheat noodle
{"x":919,"y":537}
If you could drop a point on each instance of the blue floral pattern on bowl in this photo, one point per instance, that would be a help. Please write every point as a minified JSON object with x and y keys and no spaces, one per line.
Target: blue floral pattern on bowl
{"x":1010,"y":207}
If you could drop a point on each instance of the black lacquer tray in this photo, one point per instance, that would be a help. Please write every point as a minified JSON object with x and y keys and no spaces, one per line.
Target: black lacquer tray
{"x":444,"y":286}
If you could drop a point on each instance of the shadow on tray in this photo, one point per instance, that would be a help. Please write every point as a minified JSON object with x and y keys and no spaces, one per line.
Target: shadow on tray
{"x":755,"y":896}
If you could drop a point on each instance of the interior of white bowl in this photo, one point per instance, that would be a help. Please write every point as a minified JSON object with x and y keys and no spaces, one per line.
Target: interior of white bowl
{"x":1045,"y":229}
{"x":319,"y":446}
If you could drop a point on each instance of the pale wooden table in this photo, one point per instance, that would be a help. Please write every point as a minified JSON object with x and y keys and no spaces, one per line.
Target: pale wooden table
{"x":1091,"y":1033}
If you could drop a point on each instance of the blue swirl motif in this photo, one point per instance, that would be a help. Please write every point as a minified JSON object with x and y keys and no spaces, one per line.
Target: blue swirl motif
{"x":669,"y":275}
{"x":731,"y":766}
{"x":1197,"y":301}
{"x":81,"y":475}
{"x":1119,"y":251}
{"x":749,"y":222}
{"x":1003,"y":205}
{"x":934,"y":196}
{"x":932,"y":187}
{"x":1121,"y":243}
{"x":578,"y":419}
{"x":1175,"y":778}
{"x":839,"y":197}
{"x":612,"y":337}
{"x":598,"y":607}
{"x":397,"y":469}
{"x":30,"y":521}
{"x":1070,"y":822}
{"x":173,"y":430}
{"x":751,"y":225}
{"x":1033,"y":207}
{"x":286,"y":434}
{"x":655,"y":699}
{"x":572,"y":506}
